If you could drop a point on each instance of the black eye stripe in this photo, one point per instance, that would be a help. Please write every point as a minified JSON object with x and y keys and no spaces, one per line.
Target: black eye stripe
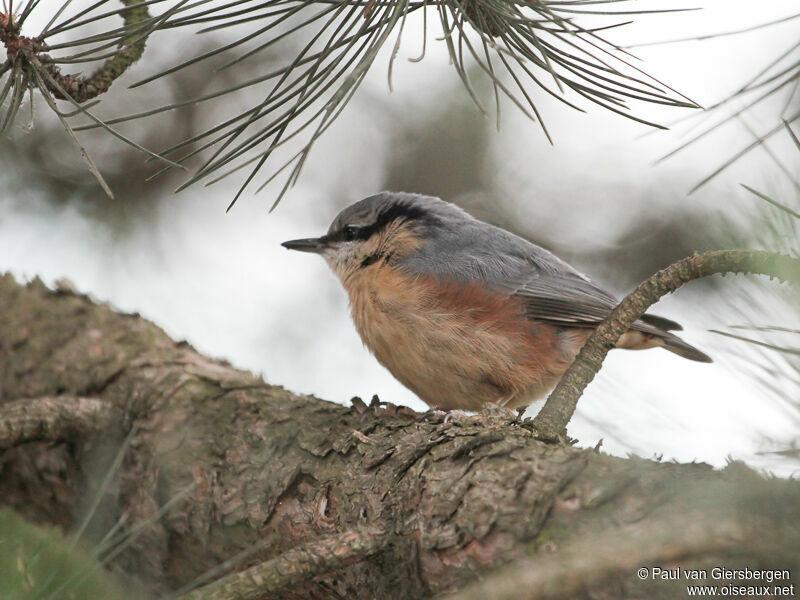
{"x":409,"y":212}
{"x":390,"y":214}
{"x":348,"y":233}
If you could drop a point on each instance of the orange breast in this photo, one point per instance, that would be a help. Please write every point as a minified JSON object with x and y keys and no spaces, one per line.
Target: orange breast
{"x":456,"y":345}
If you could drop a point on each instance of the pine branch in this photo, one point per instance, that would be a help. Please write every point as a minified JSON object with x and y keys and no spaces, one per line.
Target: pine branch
{"x":21,"y":50}
{"x":315,"y":558}
{"x":551,"y":422}
{"x":519,"y":45}
{"x":52,"y":419}
{"x":579,"y":565}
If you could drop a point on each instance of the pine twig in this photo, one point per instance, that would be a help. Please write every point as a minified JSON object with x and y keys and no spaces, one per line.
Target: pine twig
{"x":51,"y":418}
{"x":551,"y":422}
{"x":80,"y":88}
{"x":295,"y":566}
{"x":131,"y":48}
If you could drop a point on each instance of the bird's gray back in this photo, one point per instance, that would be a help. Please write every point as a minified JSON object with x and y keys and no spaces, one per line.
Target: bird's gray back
{"x":460,"y":247}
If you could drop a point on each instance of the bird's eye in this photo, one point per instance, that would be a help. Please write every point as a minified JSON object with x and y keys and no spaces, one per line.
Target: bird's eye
{"x":350,"y":233}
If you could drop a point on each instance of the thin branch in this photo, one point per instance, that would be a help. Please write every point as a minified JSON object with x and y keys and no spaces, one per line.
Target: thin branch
{"x":131,"y":48}
{"x":51,"y":418}
{"x":579,"y":566}
{"x":295,"y":566}
{"x":551,"y":422}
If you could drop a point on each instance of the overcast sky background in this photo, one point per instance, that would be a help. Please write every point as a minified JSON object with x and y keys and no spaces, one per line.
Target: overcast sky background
{"x":223,"y":282}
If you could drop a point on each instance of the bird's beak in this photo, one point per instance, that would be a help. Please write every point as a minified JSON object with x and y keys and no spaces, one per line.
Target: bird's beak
{"x":315,"y":245}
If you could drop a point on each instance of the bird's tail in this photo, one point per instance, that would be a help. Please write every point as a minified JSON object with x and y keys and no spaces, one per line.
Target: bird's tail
{"x":651,"y":332}
{"x":675,"y":344}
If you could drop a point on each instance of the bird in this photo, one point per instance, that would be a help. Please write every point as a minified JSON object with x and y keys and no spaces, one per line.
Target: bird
{"x":463,"y":313}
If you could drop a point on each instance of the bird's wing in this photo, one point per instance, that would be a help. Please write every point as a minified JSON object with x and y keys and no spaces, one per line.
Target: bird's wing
{"x":565,"y":298}
{"x":570,"y":299}
{"x":552,"y":290}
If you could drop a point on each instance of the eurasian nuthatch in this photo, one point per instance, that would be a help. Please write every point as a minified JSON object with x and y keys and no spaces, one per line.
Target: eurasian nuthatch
{"x":462,"y":312}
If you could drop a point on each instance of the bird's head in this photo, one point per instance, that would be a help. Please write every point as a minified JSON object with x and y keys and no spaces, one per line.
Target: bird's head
{"x":385,"y":227}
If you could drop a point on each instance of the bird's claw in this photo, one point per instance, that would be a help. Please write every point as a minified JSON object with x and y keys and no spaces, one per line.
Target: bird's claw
{"x":434,"y":415}
{"x":455,"y":416}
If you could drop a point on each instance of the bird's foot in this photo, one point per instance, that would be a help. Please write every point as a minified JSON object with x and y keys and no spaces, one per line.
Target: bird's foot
{"x":492,"y":411}
{"x":436,"y":415}
{"x":433,"y":415}
{"x":491,"y":414}
{"x":456,"y":416}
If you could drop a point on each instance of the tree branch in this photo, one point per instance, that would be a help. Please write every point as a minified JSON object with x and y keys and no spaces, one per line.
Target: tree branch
{"x":131,"y":48}
{"x":25,"y":51}
{"x":551,"y":422}
{"x":51,"y":418}
{"x":315,"y":558}
{"x":578,"y":565}
{"x":278,"y":477}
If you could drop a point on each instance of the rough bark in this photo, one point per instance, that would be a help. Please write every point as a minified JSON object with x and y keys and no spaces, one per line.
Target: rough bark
{"x":251,"y":474}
